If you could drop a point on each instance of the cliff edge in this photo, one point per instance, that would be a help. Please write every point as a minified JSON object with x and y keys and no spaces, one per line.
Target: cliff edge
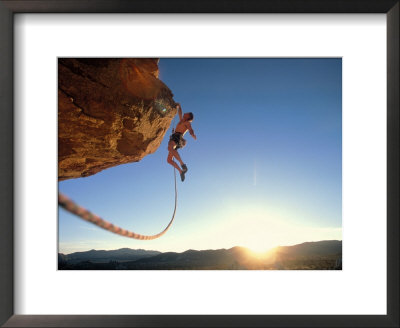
{"x":111,"y":111}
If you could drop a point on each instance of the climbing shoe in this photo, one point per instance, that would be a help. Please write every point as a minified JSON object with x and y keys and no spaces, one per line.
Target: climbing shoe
{"x":184,"y":168}
{"x":183,"y":176}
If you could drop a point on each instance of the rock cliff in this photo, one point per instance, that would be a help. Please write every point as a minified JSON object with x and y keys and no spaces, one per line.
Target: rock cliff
{"x":110,"y":112}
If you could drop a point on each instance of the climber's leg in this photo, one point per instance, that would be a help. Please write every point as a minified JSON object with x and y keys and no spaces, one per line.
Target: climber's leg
{"x":171,"y":155}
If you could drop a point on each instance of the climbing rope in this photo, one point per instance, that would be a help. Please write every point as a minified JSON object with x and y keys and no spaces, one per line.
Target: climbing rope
{"x":84,"y":214}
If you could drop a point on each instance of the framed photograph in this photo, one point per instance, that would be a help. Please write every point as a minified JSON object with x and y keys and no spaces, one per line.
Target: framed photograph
{"x":260,"y":144}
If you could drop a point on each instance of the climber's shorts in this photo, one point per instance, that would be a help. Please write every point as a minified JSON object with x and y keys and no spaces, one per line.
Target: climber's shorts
{"x":178,"y":139}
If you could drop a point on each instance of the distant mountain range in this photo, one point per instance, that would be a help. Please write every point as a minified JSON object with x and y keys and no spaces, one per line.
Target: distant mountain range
{"x":123,"y":254}
{"x":324,"y":247}
{"x":310,"y":255}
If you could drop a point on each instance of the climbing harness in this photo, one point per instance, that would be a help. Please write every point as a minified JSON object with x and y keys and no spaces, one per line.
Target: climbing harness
{"x":84,"y":214}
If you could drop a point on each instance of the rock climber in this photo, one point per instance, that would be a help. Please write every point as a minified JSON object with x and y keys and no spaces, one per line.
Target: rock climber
{"x":176,"y":140}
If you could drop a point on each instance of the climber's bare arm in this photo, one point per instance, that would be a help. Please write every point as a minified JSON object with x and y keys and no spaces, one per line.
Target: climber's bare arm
{"x":189,"y":126}
{"x":179,"y":111}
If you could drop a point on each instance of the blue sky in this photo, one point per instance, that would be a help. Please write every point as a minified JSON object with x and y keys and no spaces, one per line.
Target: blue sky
{"x":265,"y":170}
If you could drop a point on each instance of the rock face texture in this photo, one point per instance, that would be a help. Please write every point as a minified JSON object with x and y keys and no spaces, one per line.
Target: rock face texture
{"x":110,"y":112}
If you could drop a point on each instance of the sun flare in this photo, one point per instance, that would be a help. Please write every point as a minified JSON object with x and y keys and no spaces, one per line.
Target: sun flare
{"x":261,"y":254}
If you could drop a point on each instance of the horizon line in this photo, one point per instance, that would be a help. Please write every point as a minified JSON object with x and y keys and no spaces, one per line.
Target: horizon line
{"x":190,"y":249}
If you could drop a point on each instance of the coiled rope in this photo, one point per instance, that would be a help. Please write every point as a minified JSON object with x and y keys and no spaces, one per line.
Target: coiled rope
{"x":86,"y":215}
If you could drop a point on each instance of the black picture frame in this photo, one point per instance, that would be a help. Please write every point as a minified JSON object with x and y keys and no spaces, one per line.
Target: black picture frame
{"x":7,"y":10}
